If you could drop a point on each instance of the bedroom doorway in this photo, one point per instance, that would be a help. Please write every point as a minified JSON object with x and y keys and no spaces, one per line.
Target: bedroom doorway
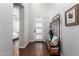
{"x":16,"y":19}
{"x":18,"y":26}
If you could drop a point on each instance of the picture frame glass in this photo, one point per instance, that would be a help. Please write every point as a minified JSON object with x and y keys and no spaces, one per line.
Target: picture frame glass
{"x":71,"y":16}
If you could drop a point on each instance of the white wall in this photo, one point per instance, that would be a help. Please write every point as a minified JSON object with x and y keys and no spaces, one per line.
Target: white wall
{"x":38,"y":10}
{"x":6,"y":29}
{"x":24,"y":27}
{"x":69,"y":35}
{"x":26,"y":41}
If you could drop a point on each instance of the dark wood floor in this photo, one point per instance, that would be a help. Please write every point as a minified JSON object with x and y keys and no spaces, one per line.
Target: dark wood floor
{"x":35,"y":49}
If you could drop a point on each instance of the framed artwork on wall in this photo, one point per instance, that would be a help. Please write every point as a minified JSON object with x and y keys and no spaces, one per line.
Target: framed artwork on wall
{"x":72,"y":16}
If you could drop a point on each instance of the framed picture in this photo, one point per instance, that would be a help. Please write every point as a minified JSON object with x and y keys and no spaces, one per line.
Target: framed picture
{"x":71,"y":16}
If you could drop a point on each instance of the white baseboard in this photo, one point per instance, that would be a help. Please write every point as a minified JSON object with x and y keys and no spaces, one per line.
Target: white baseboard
{"x":28,"y":42}
{"x":24,"y":45}
{"x":31,"y":40}
{"x":39,"y":40}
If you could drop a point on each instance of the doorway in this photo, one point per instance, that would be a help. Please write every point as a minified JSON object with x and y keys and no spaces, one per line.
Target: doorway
{"x":18,"y":23}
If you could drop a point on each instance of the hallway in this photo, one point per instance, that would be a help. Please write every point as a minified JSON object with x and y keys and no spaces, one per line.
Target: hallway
{"x":35,"y":49}
{"x":37,"y":23}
